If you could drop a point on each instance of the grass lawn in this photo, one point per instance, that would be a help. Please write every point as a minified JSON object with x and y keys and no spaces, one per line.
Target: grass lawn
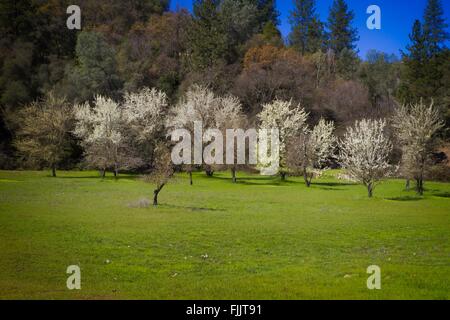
{"x":259,"y":239}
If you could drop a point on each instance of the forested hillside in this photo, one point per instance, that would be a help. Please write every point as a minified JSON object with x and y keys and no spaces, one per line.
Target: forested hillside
{"x":230,"y":46}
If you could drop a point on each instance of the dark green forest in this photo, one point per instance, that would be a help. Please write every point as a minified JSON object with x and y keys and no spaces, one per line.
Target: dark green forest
{"x":230,"y":46}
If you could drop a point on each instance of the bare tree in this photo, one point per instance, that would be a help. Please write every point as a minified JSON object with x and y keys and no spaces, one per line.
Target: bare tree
{"x":416,"y":127}
{"x":364,"y":152}
{"x":43,"y":131}
{"x":308,"y":152}
{"x":289,"y":119}
{"x":162,"y":170}
{"x":268,"y":74}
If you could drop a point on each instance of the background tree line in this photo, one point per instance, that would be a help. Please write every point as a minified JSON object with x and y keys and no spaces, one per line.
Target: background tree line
{"x":229,"y":46}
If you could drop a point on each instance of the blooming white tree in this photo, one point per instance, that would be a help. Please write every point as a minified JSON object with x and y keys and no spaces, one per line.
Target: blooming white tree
{"x":145,"y":113}
{"x":199,"y":104}
{"x":101,"y":129}
{"x":364,"y":152}
{"x":289,"y":119}
{"x":309,"y":151}
{"x":416,"y":127}
{"x":229,"y":116}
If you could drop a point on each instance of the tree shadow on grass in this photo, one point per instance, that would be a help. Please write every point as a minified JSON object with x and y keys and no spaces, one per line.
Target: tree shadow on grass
{"x":99,"y":178}
{"x":81,"y":177}
{"x":193,"y":209}
{"x":406,"y":198}
{"x":442,"y":195}
{"x":258,"y":181}
{"x":328,"y":188}
{"x":262,"y":178}
{"x":270,"y":182}
{"x":333,"y":184}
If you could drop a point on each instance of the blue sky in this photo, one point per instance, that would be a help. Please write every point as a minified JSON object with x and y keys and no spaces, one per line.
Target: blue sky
{"x":397,"y":18}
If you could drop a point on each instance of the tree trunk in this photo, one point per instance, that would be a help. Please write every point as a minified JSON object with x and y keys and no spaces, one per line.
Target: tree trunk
{"x":209,"y":172}
{"x":408,"y":185}
{"x":103,"y":173}
{"x":53,"y":170}
{"x":419,"y":179}
{"x":370,"y":190}
{"x":233,"y":175}
{"x":116,"y":170}
{"x":283,"y":176}
{"x":190,"y":178}
{"x":307,"y":179}
{"x":419,"y":186}
{"x":155,"y":195}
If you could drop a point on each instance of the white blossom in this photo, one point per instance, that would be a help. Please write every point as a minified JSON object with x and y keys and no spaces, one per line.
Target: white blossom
{"x":365,"y":151}
{"x":102,"y":131}
{"x":288,"y":118}
{"x":416,"y":126}
{"x":228,"y":113}
{"x":309,"y":151}
{"x":322,"y":142}
{"x":198,"y":104}
{"x":144,"y":112}
{"x":101,"y":124}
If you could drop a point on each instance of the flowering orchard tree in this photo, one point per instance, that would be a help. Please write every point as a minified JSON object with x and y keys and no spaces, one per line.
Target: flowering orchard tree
{"x":102,"y":131}
{"x":228,"y":113}
{"x":229,"y":116}
{"x":309,"y":151}
{"x":416,"y":127}
{"x":364,"y":152}
{"x":199,"y":104}
{"x":289,"y":119}
{"x":145,"y":112}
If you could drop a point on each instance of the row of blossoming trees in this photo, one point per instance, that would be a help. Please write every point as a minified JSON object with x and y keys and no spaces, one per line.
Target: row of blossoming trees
{"x":133,"y":134}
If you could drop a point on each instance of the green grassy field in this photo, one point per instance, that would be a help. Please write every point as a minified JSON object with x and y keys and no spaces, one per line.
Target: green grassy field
{"x":259,"y":239}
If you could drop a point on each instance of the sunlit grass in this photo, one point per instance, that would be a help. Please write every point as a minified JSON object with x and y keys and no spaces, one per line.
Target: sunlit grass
{"x":258,"y":239}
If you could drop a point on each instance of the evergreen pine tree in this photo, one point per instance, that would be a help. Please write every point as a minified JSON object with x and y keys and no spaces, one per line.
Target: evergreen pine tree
{"x":207,"y":36}
{"x":342,"y":34}
{"x":434,"y":27}
{"x":267,"y":12}
{"x":414,"y":61}
{"x":307,"y":34}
